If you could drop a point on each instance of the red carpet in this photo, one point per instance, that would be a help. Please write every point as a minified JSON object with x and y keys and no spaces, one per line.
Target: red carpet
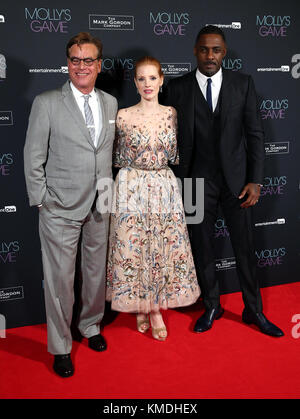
{"x":232,"y":360}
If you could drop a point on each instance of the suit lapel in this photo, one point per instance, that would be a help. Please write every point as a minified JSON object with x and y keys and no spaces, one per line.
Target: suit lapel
{"x":226,"y":96}
{"x":189,"y":104}
{"x":104,"y":111}
{"x":71,"y":105}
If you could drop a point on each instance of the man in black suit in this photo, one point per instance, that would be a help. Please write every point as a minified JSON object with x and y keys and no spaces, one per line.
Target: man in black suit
{"x":221,"y":139}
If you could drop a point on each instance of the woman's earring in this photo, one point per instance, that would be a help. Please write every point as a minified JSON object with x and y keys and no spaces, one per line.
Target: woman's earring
{"x":160,"y":89}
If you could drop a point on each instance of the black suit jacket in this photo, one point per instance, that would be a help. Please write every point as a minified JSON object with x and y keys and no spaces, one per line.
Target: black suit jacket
{"x":242,"y":137}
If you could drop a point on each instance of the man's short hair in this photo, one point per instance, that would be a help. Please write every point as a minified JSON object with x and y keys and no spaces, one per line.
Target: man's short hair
{"x":210,"y":29}
{"x":84,"y":38}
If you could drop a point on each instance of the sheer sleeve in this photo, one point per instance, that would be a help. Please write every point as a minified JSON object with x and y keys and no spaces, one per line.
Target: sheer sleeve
{"x":119,"y":142}
{"x":173,"y":150}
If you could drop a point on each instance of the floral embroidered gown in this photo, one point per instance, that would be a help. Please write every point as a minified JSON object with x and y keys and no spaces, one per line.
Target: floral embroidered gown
{"x":150,"y":263}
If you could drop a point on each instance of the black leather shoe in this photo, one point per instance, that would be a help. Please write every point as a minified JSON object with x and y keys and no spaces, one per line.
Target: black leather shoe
{"x":63,"y":365}
{"x":264,"y":325}
{"x":205,"y":322}
{"x":97,"y":343}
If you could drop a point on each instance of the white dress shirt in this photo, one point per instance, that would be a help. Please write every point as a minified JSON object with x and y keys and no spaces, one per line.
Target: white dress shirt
{"x":216,"y":83}
{"x":95,"y":108}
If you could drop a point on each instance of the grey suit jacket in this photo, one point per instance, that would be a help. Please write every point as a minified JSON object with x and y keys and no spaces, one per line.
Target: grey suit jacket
{"x":62,"y":165}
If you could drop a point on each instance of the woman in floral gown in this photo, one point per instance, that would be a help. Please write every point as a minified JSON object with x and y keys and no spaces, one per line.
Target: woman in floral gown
{"x":150,"y":264}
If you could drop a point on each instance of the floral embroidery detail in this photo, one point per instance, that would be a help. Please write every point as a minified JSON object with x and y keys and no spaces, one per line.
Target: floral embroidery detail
{"x":150,"y":264}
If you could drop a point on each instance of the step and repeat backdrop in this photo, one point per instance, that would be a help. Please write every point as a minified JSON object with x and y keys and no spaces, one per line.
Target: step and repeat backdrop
{"x":263,"y":40}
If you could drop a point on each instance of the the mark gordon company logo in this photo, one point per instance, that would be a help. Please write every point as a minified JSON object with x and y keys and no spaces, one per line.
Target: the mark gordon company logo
{"x":6,"y":118}
{"x":111,"y":22}
{"x":12,"y":293}
{"x":175,"y":69}
{"x":279,"y":147}
{"x":225,"y":264}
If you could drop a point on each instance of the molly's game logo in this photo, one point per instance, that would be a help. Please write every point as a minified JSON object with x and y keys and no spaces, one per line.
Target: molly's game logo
{"x":221,"y":230}
{"x":274,"y":108}
{"x":9,"y":252}
{"x":48,"y":20}
{"x":6,"y":162}
{"x":273,"y":26}
{"x":270,"y":257}
{"x":274,"y":186}
{"x":169,"y":23}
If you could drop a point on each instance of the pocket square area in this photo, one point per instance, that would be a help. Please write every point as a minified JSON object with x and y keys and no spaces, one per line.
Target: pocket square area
{"x":111,"y":121}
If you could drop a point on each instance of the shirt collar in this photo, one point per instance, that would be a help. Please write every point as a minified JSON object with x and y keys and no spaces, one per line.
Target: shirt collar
{"x":78,"y":94}
{"x":202,"y":79}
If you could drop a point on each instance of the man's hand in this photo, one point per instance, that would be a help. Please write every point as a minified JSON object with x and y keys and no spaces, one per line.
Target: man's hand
{"x":253,"y":192}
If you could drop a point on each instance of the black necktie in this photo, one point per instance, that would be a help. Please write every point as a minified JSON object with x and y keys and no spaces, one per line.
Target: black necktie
{"x":208,"y":94}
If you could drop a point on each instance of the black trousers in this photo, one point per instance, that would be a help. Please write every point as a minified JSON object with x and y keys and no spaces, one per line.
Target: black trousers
{"x":239,"y":223}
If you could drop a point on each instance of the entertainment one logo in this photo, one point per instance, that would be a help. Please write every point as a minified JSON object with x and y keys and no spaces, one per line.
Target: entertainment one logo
{"x":233,"y":64}
{"x":296,"y":68}
{"x":169,"y":23}
{"x":279,"y":221}
{"x":9,"y":209}
{"x":282,"y":68}
{"x":62,"y":70}
{"x":48,"y":20}
{"x":6,"y":161}
{"x":2,"y":67}
{"x":275,"y":26}
{"x":270,"y":257}
{"x":9,"y":251}
{"x":274,"y":108}
{"x":232,"y":25}
{"x":274,"y":185}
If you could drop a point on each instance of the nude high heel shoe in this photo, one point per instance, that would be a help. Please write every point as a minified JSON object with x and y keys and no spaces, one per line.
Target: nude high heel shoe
{"x":159,"y":333}
{"x":142,"y":323}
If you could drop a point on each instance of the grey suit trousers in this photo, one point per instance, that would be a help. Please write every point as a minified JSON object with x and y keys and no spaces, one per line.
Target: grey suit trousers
{"x":59,"y":240}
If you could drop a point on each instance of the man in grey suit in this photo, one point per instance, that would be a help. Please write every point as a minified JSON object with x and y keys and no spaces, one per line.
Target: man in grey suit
{"x":68,"y":151}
